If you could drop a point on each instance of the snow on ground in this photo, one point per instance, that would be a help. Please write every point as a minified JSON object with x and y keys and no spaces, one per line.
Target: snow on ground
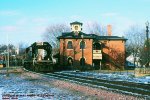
{"x":113,"y":76}
{"x":17,"y":86}
{"x":29,"y":86}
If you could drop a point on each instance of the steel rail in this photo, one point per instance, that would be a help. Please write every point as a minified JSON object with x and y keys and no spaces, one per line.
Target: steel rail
{"x":122,"y":87}
{"x":106,"y":84}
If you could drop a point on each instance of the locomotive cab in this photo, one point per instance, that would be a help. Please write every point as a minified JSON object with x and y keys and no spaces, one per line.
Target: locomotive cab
{"x":39,"y":57}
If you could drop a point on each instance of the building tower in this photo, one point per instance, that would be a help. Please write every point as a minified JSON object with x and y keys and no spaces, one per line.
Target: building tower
{"x":76,"y":27}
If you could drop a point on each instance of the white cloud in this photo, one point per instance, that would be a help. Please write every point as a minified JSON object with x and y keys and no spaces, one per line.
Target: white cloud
{"x":26,"y":24}
{"x":22,"y":21}
{"x":40,"y":20}
{"x":75,"y":17}
{"x":8,"y":28}
{"x":121,"y":24}
{"x":146,"y":0}
{"x":8,"y":13}
{"x":109,"y":14}
{"x":34,"y":21}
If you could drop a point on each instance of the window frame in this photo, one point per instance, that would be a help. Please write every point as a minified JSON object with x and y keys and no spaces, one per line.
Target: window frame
{"x":76,"y":27}
{"x":71,"y":43}
{"x":84,"y":45}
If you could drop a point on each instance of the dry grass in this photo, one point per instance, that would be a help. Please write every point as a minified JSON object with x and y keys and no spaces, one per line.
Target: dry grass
{"x":113,"y":71}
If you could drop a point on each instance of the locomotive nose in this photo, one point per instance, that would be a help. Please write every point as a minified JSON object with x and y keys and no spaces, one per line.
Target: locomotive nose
{"x":39,"y":57}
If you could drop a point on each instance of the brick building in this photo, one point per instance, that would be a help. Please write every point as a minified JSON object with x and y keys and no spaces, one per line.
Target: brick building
{"x":79,"y":50}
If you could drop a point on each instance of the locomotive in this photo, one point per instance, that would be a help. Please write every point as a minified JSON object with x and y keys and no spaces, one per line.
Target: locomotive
{"x":39,"y":57}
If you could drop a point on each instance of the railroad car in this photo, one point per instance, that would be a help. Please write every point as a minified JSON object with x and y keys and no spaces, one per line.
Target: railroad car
{"x":2,"y":61}
{"x":39,"y":58}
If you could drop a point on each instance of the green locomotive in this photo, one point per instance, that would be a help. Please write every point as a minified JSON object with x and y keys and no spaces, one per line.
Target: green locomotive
{"x":39,"y":58}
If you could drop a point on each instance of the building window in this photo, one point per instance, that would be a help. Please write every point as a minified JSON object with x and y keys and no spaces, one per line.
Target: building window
{"x":96,"y":46}
{"x":76,"y":27}
{"x":82,"y":45}
{"x":69,"y":45}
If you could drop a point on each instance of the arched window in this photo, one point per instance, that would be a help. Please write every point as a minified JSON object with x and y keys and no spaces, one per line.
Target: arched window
{"x":69,"y":45}
{"x":96,"y":46}
{"x":76,"y":27}
{"x":82,"y":45}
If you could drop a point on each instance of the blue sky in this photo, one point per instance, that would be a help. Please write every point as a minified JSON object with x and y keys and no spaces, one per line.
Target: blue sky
{"x":26,"y":20}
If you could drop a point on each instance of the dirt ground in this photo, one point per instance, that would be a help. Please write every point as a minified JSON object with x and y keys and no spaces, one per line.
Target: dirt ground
{"x":67,"y":90}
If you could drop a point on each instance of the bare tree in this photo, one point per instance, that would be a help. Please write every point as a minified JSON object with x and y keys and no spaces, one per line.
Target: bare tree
{"x":22,"y":47}
{"x":136,"y":39}
{"x":117,"y":57}
{"x":144,"y":54}
{"x":114,"y":56}
{"x":3,"y":48}
{"x":52,"y":32}
{"x":95,"y":28}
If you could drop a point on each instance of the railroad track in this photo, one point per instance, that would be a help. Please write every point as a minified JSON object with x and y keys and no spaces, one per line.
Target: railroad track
{"x":130,"y":88}
{"x":124,"y":87}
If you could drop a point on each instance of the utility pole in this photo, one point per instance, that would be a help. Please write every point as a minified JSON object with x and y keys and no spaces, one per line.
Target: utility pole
{"x":82,"y":52}
{"x":147,"y":43}
{"x":7,"y":56}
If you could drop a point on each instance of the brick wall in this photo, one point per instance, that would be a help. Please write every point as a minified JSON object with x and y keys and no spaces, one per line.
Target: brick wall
{"x":76,"y":52}
{"x":116,"y":50}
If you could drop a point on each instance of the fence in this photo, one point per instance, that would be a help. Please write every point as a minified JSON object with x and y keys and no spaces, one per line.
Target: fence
{"x":142,"y":71}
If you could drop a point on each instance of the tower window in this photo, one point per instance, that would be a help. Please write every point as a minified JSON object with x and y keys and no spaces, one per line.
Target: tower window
{"x":82,"y":45}
{"x":69,"y":45}
{"x":76,"y":27}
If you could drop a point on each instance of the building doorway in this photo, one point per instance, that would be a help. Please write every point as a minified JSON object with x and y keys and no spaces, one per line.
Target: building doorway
{"x":70,"y":62}
{"x":82,"y":61}
{"x":97,"y":55}
{"x":97,"y":64}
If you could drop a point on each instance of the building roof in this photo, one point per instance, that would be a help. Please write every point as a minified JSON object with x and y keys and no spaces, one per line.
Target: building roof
{"x":71,"y":35}
{"x":76,"y":22}
{"x":108,"y":37}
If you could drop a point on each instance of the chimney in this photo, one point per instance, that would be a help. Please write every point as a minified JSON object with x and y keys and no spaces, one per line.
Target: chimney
{"x":109,"y":30}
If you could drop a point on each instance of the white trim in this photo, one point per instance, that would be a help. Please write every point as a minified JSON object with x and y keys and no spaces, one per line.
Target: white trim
{"x":71,"y":60}
{"x":69,"y":57}
{"x":98,"y":42}
{"x":83,"y":57}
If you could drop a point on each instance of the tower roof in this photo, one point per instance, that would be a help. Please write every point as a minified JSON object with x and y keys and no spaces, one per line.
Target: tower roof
{"x":76,"y":22}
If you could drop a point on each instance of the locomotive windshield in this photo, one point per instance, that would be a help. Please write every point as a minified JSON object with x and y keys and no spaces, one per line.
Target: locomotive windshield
{"x":39,"y":51}
{"x":38,"y":57}
{"x":41,"y":54}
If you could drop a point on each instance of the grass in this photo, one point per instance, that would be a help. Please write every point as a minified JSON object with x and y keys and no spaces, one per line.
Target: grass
{"x":112,"y":71}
